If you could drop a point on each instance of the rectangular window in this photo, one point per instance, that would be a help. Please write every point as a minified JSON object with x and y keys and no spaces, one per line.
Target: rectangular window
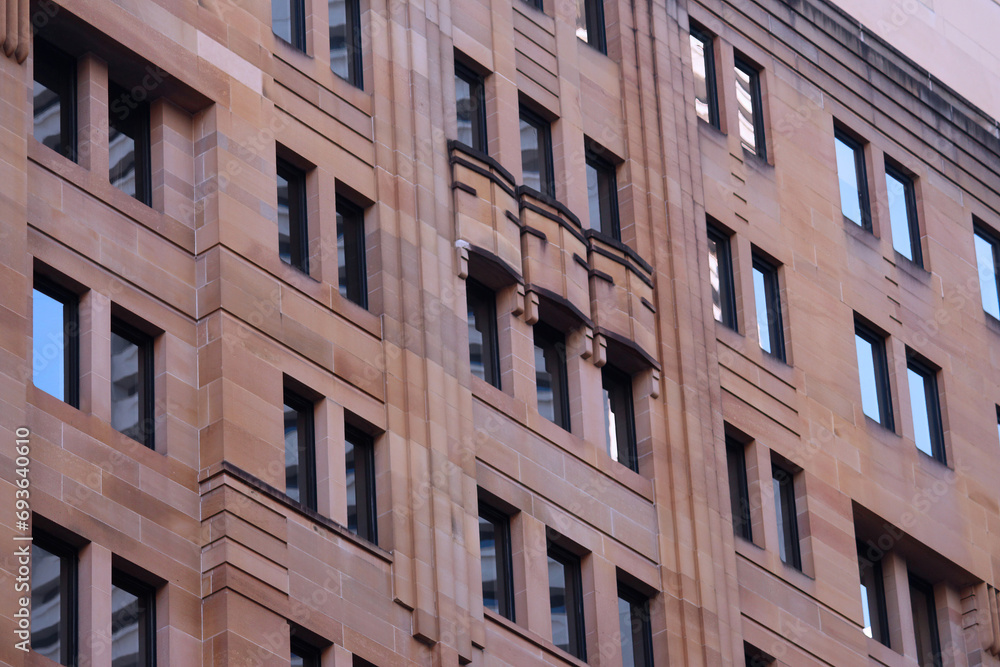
{"x":566,"y":600}
{"x":536,"y":153}
{"x":288,"y":21}
{"x":619,"y":416}
{"x":55,"y":326}
{"x":130,"y":169}
{"x":602,"y":194}
{"x":53,"y":600}
{"x":903,"y":213}
{"x":359,"y":455}
{"x":754,"y":657}
{"x":304,"y":654}
{"x":749,"y":108}
{"x":720,"y":266}
{"x":706,"y":100}
{"x":293,"y":228}
{"x":767,"y":297}
{"x":132,"y":382}
{"x":133,"y":621}
{"x":739,"y":490}
{"x":470,"y":108}
{"x":925,"y":623}
{"x":300,"y":450}
{"x":353,"y":274}
{"x":873,"y":369}
{"x":537,"y":4}
{"x":495,"y":557}
{"x":876,"y":618}
{"x":635,"y":627}
{"x":550,"y":375}
{"x":925,"y":404}
{"x":54,"y":99}
{"x":590,"y":23}
{"x":853,"y":179}
{"x":345,"y":40}
{"x":788,"y":522}
{"x":484,"y":355}
{"x":987,"y":260}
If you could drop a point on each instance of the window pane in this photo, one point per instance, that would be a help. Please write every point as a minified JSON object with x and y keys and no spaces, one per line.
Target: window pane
{"x":126,"y":629}
{"x":869,"y":383}
{"x":745,"y":92}
{"x":543,"y":381}
{"x":464,"y":110}
{"x":48,"y":627}
{"x":739,"y":494}
{"x":925,"y":624}
{"x":702,"y":101}
{"x":847,"y":173}
{"x":488,"y":555}
{"x":284,"y":231}
{"x":625,"y":628}
{"x":49,"y":344}
{"x":47,"y":108}
{"x":122,"y":158}
{"x":292,"y":463}
{"x":921,"y":419}
{"x":787,"y":517}
{"x":126,"y":410}
{"x":763,"y":319}
{"x":985,"y":260}
{"x":339,"y":38}
{"x":593,"y":197}
{"x":482,"y":333}
{"x":713,"y":269}
{"x":581,"y":19}
{"x":360,"y":483}
{"x":281,"y":19}
{"x":531,"y":158}
{"x":898,"y":216}
{"x":558,"y":599}
{"x":352,"y":485}
{"x":550,"y":376}
{"x":781,"y":513}
{"x":352,"y":273}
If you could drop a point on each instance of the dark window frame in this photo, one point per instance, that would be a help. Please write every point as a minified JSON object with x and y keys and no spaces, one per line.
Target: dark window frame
{"x":146,"y":593}
{"x":546,"y":173}
{"x":504,"y":558}
{"x":297,"y":25}
{"x":756,"y":105}
{"x":879,"y":616}
{"x":487,"y":298}
{"x":607,"y":181}
{"x":772,"y":304}
{"x":788,"y":529}
{"x":597,"y":38}
{"x":71,"y":334}
{"x":576,"y":624}
{"x":536,"y":4}
{"x":364,"y":480}
{"x":739,"y":488}
{"x":908,"y":181}
{"x":641,"y":624}
{"x":60,"y":69}
{"x":934,"y":629}
{"x":147,"y":405}
{"x":69,"y":594}
{"x":857,"y":146}
{"x":306,"y":435}
{"x":932,"y":395}
{"x":311,"y":655}
{"x":477,"y":98}
{"x":711,"y":83}
{"x":555,"y":340}
{"x":880,"y":362}
{"x":298,"y":215}
{"x":993,"y":239}
{"x":136,"y":126}
{"x":351,"y":225}
{"x":627,"y":444}
{"x":727,"y":283}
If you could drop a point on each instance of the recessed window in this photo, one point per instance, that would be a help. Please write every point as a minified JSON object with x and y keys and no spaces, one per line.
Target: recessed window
{"x":767,"y":297}
{"x":484,"y":356}
{"x":925,"y":404}
{"x":293,"y":228}
{"x":853,"y":178}
{"x":876,"y":618}
{"x":132,"y":382}
{"x":495,"y":557}
{"x":590,"y":23}
{"x":787,"y":516}
{"x":619,"y":416}
{"x":754,"y":657}
{"x":720,"y":266}
{"x":288,"y":21}
{"x":537,"y":4}
{"x":353,"y":274}
{"x":602,"y":195}
{"x":635,"y":628}
{"x":566,"y":602}
{"x":53,"y":600}
{"x":133,"y":621}
{"x":739,"y":491}
{"x":873,"y":370}
{"x":706,"y":99}
{"x":903,"y":213}
{"x":304,"y":654}
{"x":550,"y":375}
{"x":536,"y":153}
{"x":925,"y":625}
{"x":130,"y":169}
{"x":54,"y":99}
{"x":470,"y":108}
{"x":359,"y":458}
{"x":55,"y":331}
{"x":345,"y":40}
{"x":300,"y":449}
{"x":749,"y":108}
{"x":987,"y":260}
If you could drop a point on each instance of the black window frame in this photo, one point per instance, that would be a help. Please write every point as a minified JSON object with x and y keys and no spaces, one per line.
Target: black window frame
{"x":546,"y":173}
{"x":857,"y":147}
{"x":933,"y":629}
{"x":618,"y":385}
{"x":554,"y":341}
{"x":575,"y":622}
{"x":69,"y":595}
{"x":880,"y":363}
{"x":478,"y":294}
{"x":353,"y":275}
{"x":536,"y":4}
{"x":298,"y":216}
{"x":305,"y":426}
{"x":311,"y":655}
{"x":756,"y":106}
{"x":990,"y":237}
{"x":147,"y":396}
{"x":477,"y":100}
{"x":593,"y":19}
{"x":609,"y":223}
{"x":296,"y":22}
{"x":896,"y":171}
{"x":59,"y":69}
{"x":707,"y":40}
{"x":364,"y":479}
{"x":71,"y":334}
{"x":640,"y":624}
{"x":879,"y":615}
{"x":932,"y":396}
{"x":354,"y":44}
{"x":146,"y":594}
{"x":772,"y":305}
{"x":788,"y":530}
{"x":727,"y":283}
{"x":739,"y":488}
{"x":754,"y":657}
{"x":504,"y":558}
{"x":134,"y":124}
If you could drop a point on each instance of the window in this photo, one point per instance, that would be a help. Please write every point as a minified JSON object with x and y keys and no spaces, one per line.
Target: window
{"x":133,"y":621}
{"x":619,"y":416}
{"x":706,"y":101}
{"x":470,"y":108}
{"x":788,"y":524}
{"x":293,"y":231}
{"x":739,"y":491}
{"x":351,"y":252}
{"x":636,"y":629}
{"x":495,"y":557}
{"x":53,"y":600}
{"x":987,"y":259}
{"x":536,"y":153}
{"x":360,"y":662}
{"x":873,"y":605}
{"x":767,"y":297}
{"x":751,"y":116}
{"x":537,"y":4}
{"x":566,"y":600}
{"x":359,"y":455}
{"x":853,"y":179}
{"x":590,"y":23}
{"x":754,"y":657}
{"x":602,"y":194}
{"x":928,"y":433}
{"x":550,"y":375}
{"x":130,"y":169}
{"x":720,"y":266}
{"x":54,"y":95}
{"x":925,"y":623}
{"x":484,"y":355}
{"x":300,"y":450}
{"x":304,"y":654}
{"x":132,"y":382}
{"x":873,"y":370}
{"x":903,"y":213}
{"x":288,"y":21}
{"x":345,"y":40}
{"x":55,"y":341}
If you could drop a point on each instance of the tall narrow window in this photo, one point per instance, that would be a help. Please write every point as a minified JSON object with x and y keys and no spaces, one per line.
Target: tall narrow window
{"x":903,"y":213}
{"x":53,"y":600}
{"x":925,"y":404}
{"x":495,"y":557}
{"x":132,"y":382}
{"x":602,"y":194}
{"x":470,"y":108}
{"x":130,"y":169}
{"x":873,"y":369}
{"x":635,"y":627}
{"x":484,"y":356}
{"x":550,"y":375}
{"x":304,"y":654}
{"x":54,"y":96}
{"x":536,"y":153}
{"x":566,"y":600}
{"x":739,"y":490}
{"x":345,"y":40}
{"x":300,"y":450}
{"x":706,"y":99}
{"x":288,"y":21}
{"x":988,"y":259}
{"x":359,"y":456}
{"x":133,"y":622}
{"x":619,"y":416}
{"x":351,"y":252}
{"x":788,"y":522}
{"x":767,"y":297}
{"x":720,"y":266}
{"x":853,"y":179}
{"x":55,"y":355}
{"x":876,"y":618}
{"x":293,"y":229}
{"x":749,"y":108}
{"x":590,"y":23}
{"x":925,"y":625}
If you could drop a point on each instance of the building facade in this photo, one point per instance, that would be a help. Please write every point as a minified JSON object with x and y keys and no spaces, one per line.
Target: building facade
{"x":493,"y":332}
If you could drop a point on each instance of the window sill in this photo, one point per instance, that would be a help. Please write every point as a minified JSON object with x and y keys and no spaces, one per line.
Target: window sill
{"x":756,"y":161}
{"x":532,"y":638}
{"x":860,"y":234}
{"x":992,"y":323}
{"x":882,"y":653}
{"x":910,"y":268}
{"x":880,"y":431}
